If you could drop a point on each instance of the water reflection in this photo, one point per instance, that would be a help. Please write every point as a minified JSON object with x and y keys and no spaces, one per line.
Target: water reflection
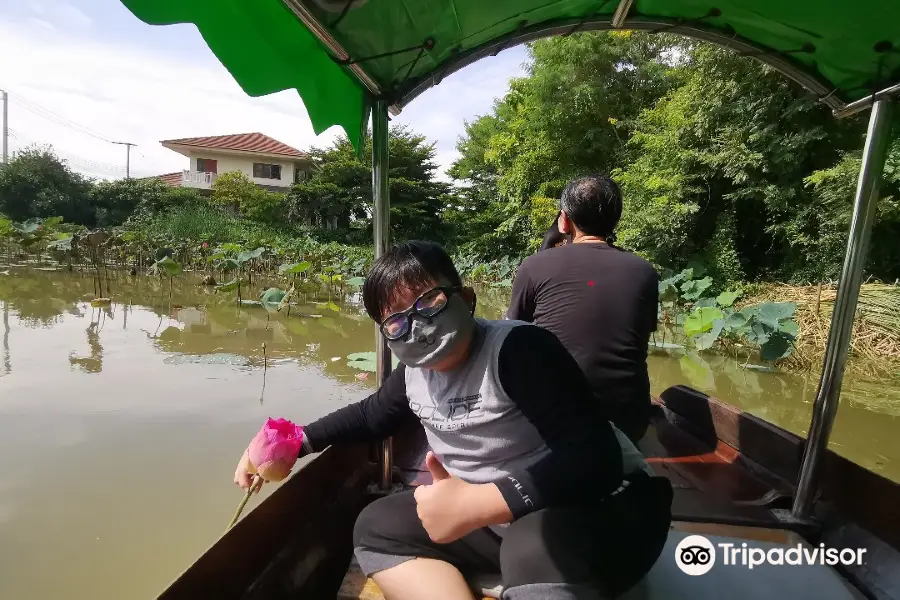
{"x":94,"y":362}
{"x":193,"y":320}
{"x":6,"y":361}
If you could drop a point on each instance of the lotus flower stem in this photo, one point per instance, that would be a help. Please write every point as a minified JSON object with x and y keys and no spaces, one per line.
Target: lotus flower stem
{"x":254,"y":487}
{"x":265,"y":368}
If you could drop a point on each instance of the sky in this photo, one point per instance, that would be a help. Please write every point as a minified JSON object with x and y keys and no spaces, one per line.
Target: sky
{"x":83,"y":73}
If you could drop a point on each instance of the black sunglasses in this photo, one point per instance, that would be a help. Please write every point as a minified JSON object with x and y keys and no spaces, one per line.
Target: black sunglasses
{"x":428,"y":305}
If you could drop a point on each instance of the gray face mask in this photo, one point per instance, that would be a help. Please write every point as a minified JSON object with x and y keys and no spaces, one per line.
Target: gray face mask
{"x":433,"y":339}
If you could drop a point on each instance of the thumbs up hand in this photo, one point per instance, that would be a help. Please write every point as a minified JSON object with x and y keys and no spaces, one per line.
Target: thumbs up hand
{"x":437,"y":470}
{"x":451,"y":508}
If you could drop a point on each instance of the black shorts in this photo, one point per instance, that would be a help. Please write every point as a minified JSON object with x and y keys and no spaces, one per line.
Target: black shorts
{"x":559,"y":552}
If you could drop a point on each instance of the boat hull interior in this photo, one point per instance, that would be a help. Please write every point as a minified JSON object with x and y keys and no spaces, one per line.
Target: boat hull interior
{"x":733,"y":477}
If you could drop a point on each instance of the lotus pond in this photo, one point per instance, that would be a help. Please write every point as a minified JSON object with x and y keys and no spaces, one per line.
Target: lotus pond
{"x":120,"y":425}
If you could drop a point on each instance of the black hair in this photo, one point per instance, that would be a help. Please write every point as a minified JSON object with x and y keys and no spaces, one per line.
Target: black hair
{"x":553,"y":236}
{"x":409,"y":265}
{"x":594,"y":204}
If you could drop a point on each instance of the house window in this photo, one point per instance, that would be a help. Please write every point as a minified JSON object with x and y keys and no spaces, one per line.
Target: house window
{"x":300,"y":175}
{"x":264,"y":171}
{"x":205,"y":165}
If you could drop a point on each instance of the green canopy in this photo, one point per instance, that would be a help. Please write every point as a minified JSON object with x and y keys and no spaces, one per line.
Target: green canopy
{"x":340,"y":54}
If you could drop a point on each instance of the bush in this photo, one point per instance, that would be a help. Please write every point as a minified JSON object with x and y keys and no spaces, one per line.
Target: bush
{"x":264,"y":207}
{"x":197,"y":222}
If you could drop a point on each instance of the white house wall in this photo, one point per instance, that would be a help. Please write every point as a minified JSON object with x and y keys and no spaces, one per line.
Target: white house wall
{"x":227,"y":163}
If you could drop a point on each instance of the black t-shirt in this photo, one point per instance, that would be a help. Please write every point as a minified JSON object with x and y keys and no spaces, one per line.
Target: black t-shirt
{"x":601,"y":302}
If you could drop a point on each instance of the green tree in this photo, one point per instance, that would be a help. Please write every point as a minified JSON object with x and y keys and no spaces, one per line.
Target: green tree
{"x":237,"y":191}
{"x":338,"y":196}
{"x":819,"y":230}
{"x":38,"y":184}
{"x":476,"y":212}
{"x":234,"y":189}
{"x":716,"y":168}
{"x":722,"y":160}
{"x":264,"y":207}
{"x":115,"y":201}
{"x":569,"y":116}
{"x":159,"y":197}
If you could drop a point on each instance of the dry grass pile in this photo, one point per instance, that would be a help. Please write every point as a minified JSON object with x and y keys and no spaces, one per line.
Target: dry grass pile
{"x":875,"y":344}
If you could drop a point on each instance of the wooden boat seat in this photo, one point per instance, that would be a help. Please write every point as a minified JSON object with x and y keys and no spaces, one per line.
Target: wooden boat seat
{"x":709,"y":482}
{"x":666,"y":582}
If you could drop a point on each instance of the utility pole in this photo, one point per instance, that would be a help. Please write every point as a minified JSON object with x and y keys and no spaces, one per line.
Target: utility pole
{"x":128,"y":146}
{"x":5,"y":133}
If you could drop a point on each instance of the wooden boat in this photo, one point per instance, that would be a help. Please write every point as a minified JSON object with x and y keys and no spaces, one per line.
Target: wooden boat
{"x":735,"y":476}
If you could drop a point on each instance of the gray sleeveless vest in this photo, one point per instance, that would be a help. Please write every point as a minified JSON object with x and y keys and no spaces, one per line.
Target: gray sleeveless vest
{"x":473,"y":427}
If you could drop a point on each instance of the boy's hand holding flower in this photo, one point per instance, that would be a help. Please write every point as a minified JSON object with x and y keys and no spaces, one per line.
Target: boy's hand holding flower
{"x":271,"y":454}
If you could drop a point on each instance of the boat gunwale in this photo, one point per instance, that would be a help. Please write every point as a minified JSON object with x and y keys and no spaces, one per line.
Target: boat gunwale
{"x":855,"y":507}
{"x":237,"y":558}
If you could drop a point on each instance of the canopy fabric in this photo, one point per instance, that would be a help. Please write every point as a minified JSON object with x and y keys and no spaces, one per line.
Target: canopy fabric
{"x":850,"y":49}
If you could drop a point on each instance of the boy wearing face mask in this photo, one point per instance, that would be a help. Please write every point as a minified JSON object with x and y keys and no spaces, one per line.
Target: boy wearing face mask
{"x":530,"y":480}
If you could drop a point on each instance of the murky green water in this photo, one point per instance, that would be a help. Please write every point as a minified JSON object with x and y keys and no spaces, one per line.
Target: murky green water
{"x":120,"y":427}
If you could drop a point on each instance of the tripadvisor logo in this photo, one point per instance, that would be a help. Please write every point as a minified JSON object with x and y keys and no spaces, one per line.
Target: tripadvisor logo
{"x":696,"y":555}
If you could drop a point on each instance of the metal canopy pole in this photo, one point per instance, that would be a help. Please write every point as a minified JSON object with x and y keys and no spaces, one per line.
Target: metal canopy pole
{"x":864,"y":103}
{"x":839,"y":333}
{"x":381,"y":219}
{"x":322,"y":34}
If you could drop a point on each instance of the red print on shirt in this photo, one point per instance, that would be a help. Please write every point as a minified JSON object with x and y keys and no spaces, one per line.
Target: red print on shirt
{"x":591,"y":283}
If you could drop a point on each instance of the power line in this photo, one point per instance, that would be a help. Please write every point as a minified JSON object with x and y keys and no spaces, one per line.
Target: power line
{"x":56,"y":118}
{"x":75,"y":160}
{"x":128,"y":146}
{"x":46,"y":113}
{"x":79,"y":162}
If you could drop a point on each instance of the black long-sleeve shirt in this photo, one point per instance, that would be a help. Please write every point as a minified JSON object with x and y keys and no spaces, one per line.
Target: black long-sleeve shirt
{"x":601,"y":303}
{"x":518,"y":413}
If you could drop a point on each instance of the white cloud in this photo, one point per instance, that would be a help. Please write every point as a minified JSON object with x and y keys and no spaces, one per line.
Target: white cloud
{"x":42,"y":23}
{"x":71,"y":15}
{"x":61,"y":13}
{"x":142,"y":94}
{"x":131,"y":94}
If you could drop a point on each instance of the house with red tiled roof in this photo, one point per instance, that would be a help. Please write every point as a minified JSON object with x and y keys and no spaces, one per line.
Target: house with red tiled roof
{"x":266,"y":161}
{"x":171,"y":179}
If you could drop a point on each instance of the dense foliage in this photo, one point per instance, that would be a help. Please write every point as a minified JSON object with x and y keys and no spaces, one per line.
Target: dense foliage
{"x":338,"y":196}
{"x":722,"y":161}
{"x":37,"y":184}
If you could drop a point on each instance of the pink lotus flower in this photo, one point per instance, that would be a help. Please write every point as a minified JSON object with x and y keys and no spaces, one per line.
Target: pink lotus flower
{"x":204,"y":245}
{"x":274,"y":450}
